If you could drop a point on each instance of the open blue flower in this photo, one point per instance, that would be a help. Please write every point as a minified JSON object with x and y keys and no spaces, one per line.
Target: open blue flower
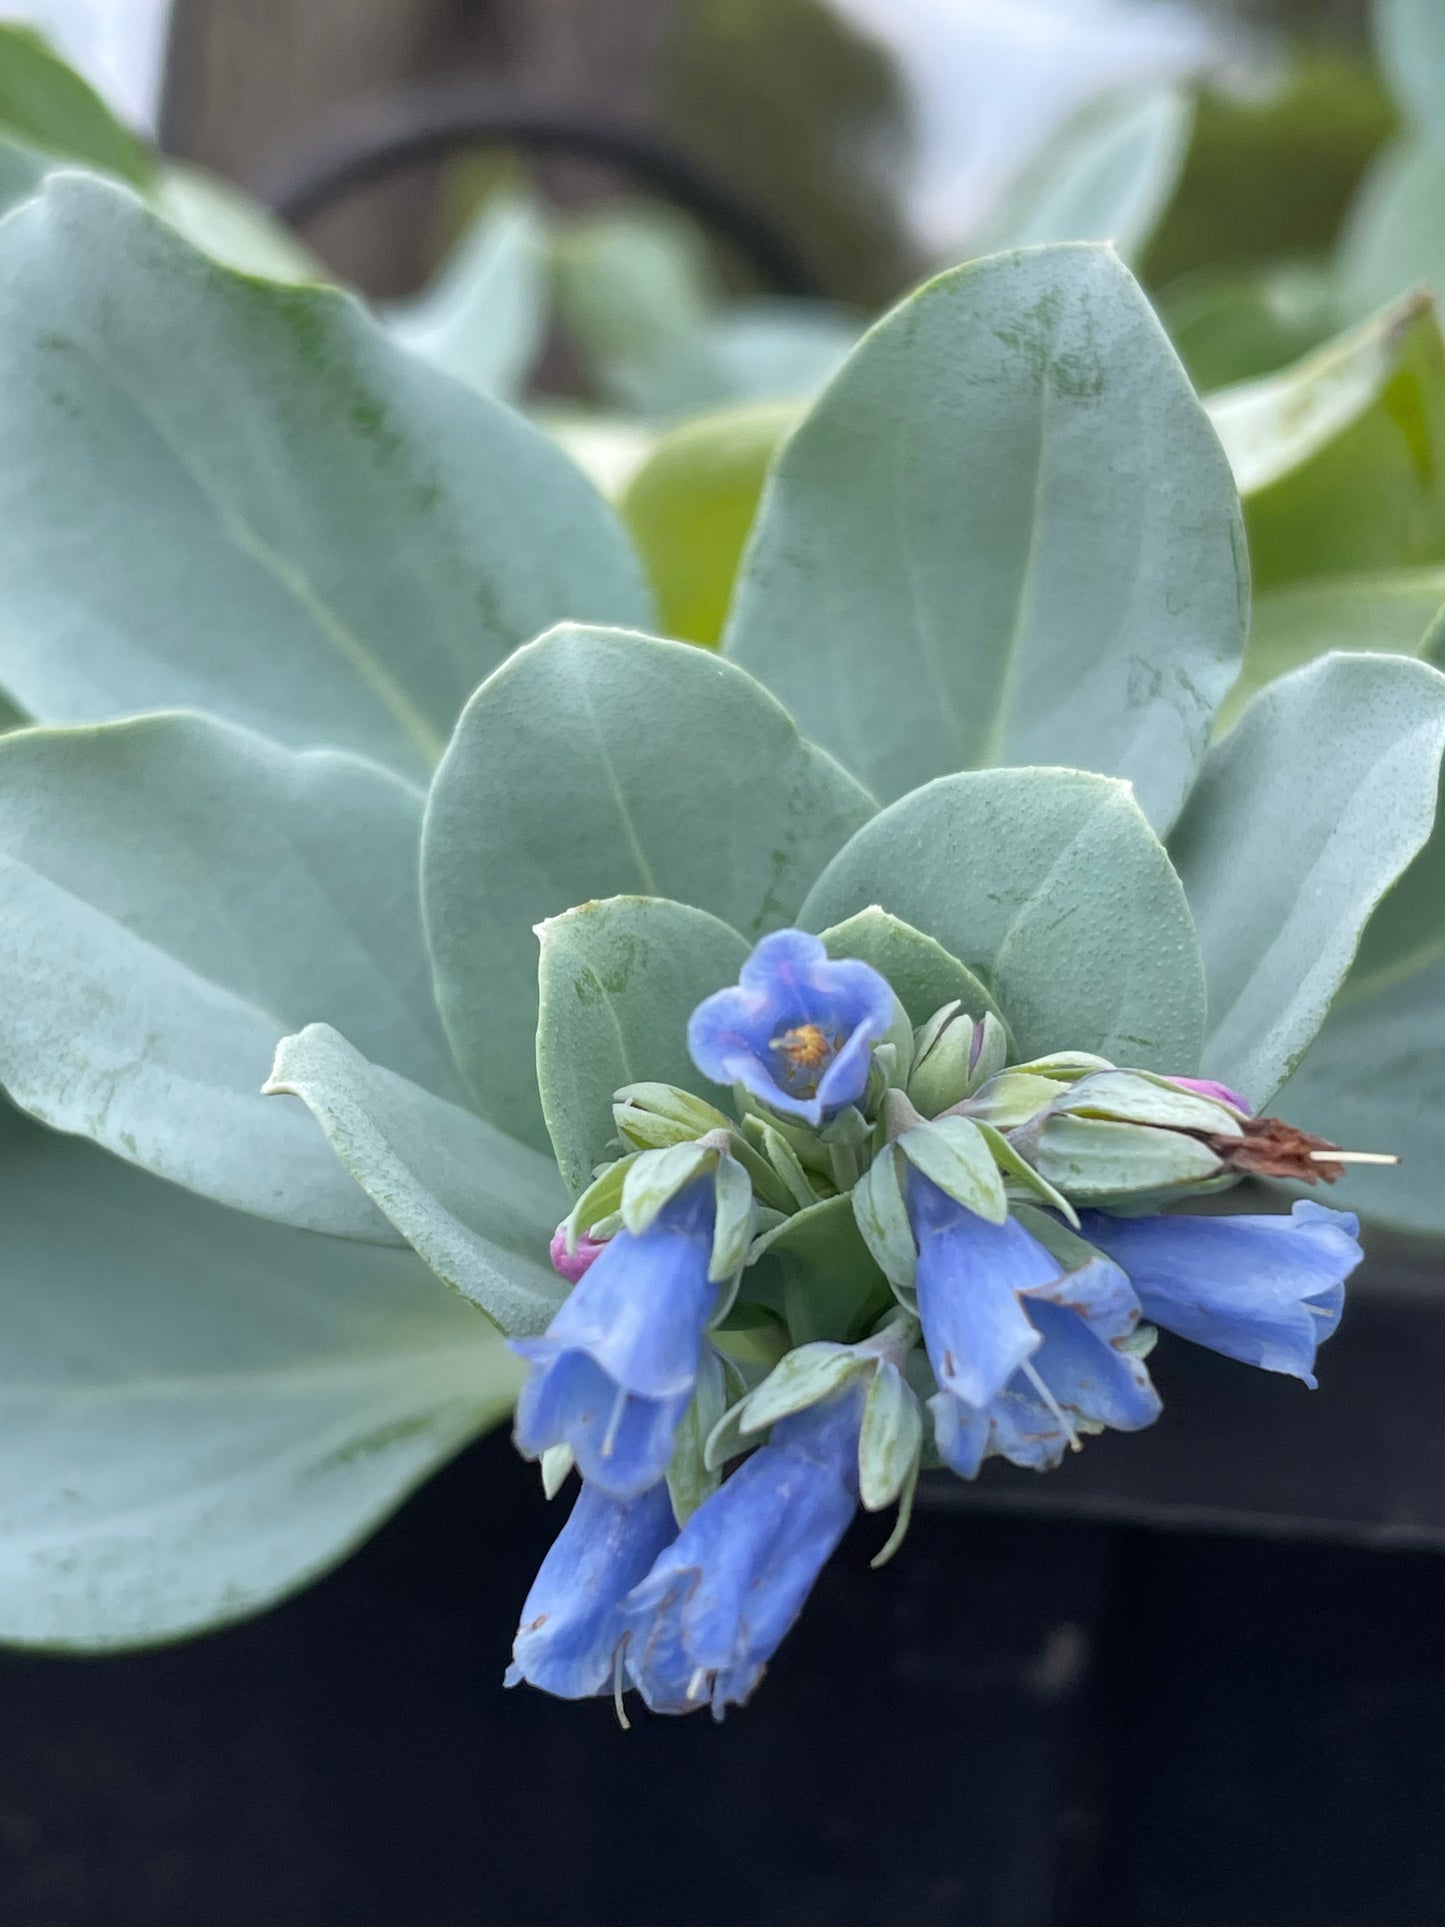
{"x":1267,"y":1290}
{"x":797,"y":1030}
{"x":572,"y":1622}
{"x":713,"y":1610}
{"x":1082,"y":1376}
{"x":613,"y":1374}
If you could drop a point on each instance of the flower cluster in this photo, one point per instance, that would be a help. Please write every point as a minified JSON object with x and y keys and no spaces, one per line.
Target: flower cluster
{"x":1013,"y":1258}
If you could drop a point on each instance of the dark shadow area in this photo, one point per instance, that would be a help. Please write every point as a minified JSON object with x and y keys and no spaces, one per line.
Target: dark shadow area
{"x":1021,"y":1723}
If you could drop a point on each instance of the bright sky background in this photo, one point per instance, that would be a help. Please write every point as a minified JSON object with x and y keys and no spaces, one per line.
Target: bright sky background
{"x":117,"y":44}
{"x":992,"y":78}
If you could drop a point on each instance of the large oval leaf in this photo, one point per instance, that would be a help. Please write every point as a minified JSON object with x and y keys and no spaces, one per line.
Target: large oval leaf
{"x":478,"y":1206}
{"x":178,"y":894}
{"x":201,"y":1411}
{"x":619,"y":981}
{"x":1004,"y":534}
{"x":1340,"y":459}
{"x":600,"y":763}
{"x":1305,"y":814}
{"x":1052,"y":887}
{"x":224,"y":493}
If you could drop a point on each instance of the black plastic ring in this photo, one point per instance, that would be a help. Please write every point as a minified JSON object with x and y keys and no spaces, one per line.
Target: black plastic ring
{"x":426,"y":120}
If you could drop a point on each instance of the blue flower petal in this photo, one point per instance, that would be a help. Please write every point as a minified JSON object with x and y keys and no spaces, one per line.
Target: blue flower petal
{"x":970,"y":1275}
{"x":1267,"y":1290}
{"x":790,"y":989}
{"x":613,"y":1374}
{"x":1085,"y":1376}
{"x":717,"y":1603}
{"x":639,"y":1310}
{"x":572,"y":1623}
{"x":622,"y":1443}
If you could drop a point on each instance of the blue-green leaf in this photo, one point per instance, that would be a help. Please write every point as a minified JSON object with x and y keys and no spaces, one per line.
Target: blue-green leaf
{"x":1306,"y":812}
{"x":1410,"y":38}
{"x":1051,"y":887}
{"x":478,"y":1206}
{"x":600,"y":763}
{"x":202,"y":1411}
{"x":47,"y":105}
{"x":178,"y":894}
{"x":1393,"y":238}
{"x":257,"y":503}
{"x":923,"y":974}
{"x":218,"y":217}
{"x":1005,"y":534}
{"x":619,"y":980}
{"x":1108,"y":177}
{"x":1374,"y":1078}
{"x":483,"y":316}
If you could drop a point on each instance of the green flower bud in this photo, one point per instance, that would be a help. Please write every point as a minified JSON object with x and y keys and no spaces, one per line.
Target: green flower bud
{"x":952,"y":1056}
{"x":650,"y":1117}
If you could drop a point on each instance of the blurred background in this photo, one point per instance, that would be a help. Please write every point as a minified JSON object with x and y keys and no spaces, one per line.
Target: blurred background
{"x":1200,"y":1679}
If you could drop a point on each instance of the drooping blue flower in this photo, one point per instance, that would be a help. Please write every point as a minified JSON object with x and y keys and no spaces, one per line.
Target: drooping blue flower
{"x":709,"y":1616}
{"x":1082,"y":1376}
{"x":970,"y":1277}
{"x":613,"y":1374}
{"x":797,"y":1030}
{"x":572,"y":1621}
{"x":1267,"y":1290}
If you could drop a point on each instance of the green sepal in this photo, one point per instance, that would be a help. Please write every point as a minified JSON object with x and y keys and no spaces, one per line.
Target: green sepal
{"x":1065,"y":1066}
{"x":882,"y":1219}
{"x":953,"y":1153}
{"x":1021,"y":1173}
{"x":656,"y":1177}
{"x":905,"y":1511}
{"x":772,"y":1193}
{"x":690,"y":1479}
{"x":849,"y":1127}
{"x":654,"y":1116}
{"x":1134,"y":1168}
{"x":1141,"y":1097}
{"x":555,"y":1464}
{"x":805,"y":1143}
{"x":943,"y":1068}
{"x":990,"y":1051}
{"x":891,"y":1441}
{"x":734,"y":1224}
{"x":784,"y":1160}
{"x":602,"y":1199}
{"x":927,"y":1034}
{"x":809,"y":1374}
{"x":1011,"y":1099}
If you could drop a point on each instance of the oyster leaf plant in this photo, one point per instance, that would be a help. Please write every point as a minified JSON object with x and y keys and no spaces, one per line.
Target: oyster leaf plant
{"x":797,"y":1088}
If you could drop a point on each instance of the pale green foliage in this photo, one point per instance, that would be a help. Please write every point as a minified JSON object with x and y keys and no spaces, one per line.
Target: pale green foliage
{"x":943,"y":494}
